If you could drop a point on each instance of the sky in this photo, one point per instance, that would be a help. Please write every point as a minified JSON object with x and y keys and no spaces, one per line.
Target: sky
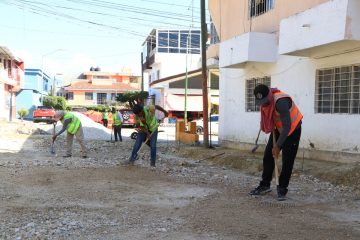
{"x":67,"y":37}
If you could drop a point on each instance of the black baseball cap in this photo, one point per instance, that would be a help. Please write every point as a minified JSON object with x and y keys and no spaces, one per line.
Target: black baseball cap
{"x":137,"y":109}
{"x":261,"y":92}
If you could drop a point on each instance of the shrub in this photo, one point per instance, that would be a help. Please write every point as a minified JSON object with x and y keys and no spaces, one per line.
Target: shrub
{"x":58,"y":103}
{"x":22,"y":113}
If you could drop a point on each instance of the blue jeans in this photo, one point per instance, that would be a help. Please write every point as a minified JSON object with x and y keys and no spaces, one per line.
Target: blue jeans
{"x":141,"y":137}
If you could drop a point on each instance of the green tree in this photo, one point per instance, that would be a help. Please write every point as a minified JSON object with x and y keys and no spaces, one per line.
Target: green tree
{"x":22,"y":113}
{"x":58,"y":103}
{"x":132,"y":98}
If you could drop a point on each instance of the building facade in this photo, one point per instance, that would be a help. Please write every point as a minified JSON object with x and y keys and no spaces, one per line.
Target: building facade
{"x":98,"y":88}
{"x":308,"y":49}
{"x":169,"y":57}
{"x":11,"y":81}
{"x":36,"y":85}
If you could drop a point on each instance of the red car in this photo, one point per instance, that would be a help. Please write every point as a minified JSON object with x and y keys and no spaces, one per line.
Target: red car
{"x":128,"y":117}
{"x":43,"y":114}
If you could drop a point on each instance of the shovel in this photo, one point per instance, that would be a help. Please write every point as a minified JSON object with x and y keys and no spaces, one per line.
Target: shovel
{"x":256,"y":142}
{"x":52,"y":147}
{"x":111,"y":136}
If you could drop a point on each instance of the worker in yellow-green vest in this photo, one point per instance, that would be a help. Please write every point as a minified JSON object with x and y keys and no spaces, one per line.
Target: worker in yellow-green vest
{"x":116,"y":124}
{"x":72,"y":126}
{"x":147,"y":127}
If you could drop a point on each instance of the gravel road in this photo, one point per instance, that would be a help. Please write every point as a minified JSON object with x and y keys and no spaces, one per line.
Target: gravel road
{"x":43,"y":196}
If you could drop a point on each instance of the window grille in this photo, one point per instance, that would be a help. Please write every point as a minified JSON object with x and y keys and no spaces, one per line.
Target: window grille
{"x":258,"y":7}
{"x":101,"y":98}
{"x":338,"y":90}
{"x":249,"y":95}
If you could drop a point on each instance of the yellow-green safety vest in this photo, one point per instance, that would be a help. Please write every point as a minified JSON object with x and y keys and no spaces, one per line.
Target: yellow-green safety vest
{"x":150,"y":119}
{"x":72,"y":127}
{"x":116,"y":119}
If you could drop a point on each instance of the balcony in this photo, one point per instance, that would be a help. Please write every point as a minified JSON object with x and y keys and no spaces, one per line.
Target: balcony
{"x":327,"y":29}
{"x":248,"y":47}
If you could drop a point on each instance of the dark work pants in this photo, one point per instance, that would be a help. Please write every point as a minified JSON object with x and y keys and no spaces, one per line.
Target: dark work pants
{"x":117,"y":132}
{"x":289,"y":151}
{"x":105,"y":122}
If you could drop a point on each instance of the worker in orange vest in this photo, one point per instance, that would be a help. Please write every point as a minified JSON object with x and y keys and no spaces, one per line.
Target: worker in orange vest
{"x":279,"y":115}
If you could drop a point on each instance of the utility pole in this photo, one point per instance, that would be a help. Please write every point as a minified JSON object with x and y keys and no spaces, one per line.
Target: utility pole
{"x":204,"y":73}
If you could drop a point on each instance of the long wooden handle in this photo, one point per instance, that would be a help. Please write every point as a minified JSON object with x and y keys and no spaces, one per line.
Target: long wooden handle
{"x":276,"y":169}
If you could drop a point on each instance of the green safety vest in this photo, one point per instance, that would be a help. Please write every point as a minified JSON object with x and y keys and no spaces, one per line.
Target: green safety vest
{"x":116,"y":119}
{"x":72,"y":127}
{"x":105,"y":115}
{"x":150,"y":119}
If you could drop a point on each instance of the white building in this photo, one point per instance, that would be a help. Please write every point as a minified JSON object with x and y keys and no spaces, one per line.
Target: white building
{"x":310,"y":50}
{"x":168,"y":55}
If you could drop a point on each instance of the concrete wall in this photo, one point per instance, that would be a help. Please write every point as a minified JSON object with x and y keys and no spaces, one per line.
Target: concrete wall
{"x":29,"y":100}
{"x":295,"y":76}
{"x":231,"y":17}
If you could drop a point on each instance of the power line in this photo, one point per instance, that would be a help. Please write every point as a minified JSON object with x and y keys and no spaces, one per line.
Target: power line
{"x":41,"y":10}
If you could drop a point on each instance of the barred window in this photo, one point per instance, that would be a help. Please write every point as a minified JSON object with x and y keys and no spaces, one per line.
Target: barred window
{"x":69,"y":96}
{"x":88,"y":96}
{"x":338,"y":90}
{"x":249,"y":95}
{"x":258,"y":7}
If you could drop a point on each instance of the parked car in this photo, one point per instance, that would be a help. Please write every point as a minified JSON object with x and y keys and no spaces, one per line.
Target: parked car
{"x":43,"y":114}
{"x":213,"y":125}
{"x":128,"y":117}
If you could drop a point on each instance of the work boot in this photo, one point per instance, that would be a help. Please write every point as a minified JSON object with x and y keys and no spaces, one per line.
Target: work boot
{"x":152,"y":163}
{"x":260,"y":190}
{"x":84,"y":156}
{"x":67,"y":156}
{"x":281,"y":193}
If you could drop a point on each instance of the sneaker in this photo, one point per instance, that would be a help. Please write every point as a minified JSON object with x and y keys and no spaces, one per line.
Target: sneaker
{"x":67,"y":156}
{"x":260,"y":190}
{"x":129,"y":162}
{"x":281,"y":193}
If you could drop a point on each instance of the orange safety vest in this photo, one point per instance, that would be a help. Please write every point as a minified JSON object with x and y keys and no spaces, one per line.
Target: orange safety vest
{"x":295,"y":114}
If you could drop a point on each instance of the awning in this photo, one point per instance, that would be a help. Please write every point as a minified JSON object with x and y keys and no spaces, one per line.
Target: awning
{"x":177,"y":103}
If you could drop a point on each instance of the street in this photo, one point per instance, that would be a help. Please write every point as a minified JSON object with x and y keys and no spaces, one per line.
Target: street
{"x":184,"y":197}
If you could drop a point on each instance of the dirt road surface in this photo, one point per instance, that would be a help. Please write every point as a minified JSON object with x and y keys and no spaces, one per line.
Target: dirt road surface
{"x":50,"y":197}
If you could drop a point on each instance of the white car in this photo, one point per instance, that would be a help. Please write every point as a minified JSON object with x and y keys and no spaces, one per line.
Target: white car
{"x":213,"y":125}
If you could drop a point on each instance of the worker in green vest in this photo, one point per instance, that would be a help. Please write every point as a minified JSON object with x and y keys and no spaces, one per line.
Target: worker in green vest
{"x":72,"y":126}
{"x":147,"y":127}
{"x":116,"y":124}
{"x":105,"y":117}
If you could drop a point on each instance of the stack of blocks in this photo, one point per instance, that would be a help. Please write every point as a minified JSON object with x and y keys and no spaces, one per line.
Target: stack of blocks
{"x":186,"y":136}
